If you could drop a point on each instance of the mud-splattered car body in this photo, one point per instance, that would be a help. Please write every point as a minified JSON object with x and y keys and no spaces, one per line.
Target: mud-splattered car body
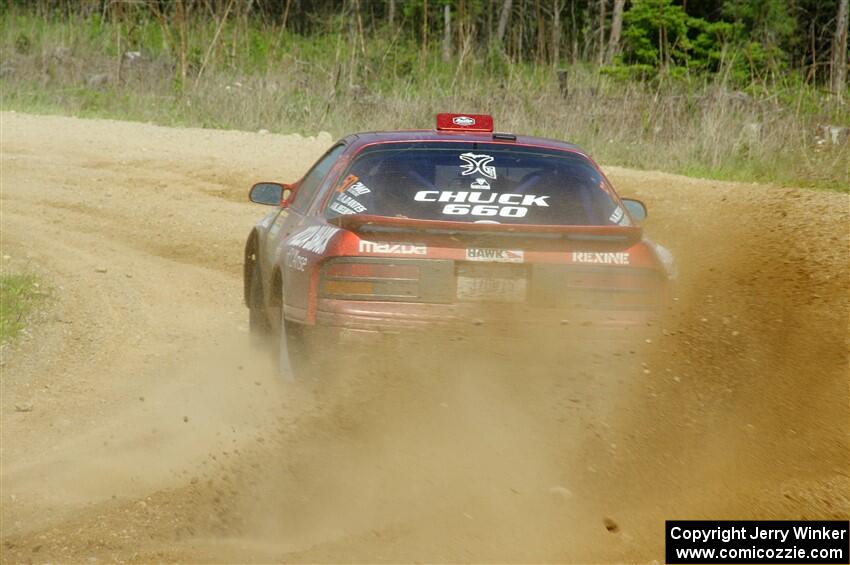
{"x":458,"y":227}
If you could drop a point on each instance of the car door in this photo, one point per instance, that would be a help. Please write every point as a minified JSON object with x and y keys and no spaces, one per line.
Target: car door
{"x":291,"y":216}
{"x":288,"y":220}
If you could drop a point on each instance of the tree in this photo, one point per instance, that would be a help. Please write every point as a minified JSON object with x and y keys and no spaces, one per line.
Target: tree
{"x":772,"y":28}
{"x":839,"y":51}
{"x":616,"y":29}
{"x":556,"y":32}
{"x":600,"y":49}
{"x":503,"y":20}
{"x":656,"y":33}
{"x":447,"y":33}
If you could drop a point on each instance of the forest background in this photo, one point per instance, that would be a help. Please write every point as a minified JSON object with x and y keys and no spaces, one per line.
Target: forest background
{"x":752,"y":90}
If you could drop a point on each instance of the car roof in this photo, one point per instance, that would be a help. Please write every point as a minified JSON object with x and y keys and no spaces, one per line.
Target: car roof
{"x":357,"y":141}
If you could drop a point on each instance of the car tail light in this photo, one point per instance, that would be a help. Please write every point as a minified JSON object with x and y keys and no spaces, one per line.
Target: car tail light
{"x":609,"y":278}
{"x":377,"y":278}
{"x":613,"y":288}
{"x":597,"y":288}
{"x":369,"y":279}
{"x":382,"y":271}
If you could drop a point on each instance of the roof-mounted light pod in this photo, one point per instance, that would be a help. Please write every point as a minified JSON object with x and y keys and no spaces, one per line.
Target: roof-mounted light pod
{"x":465,"y":122}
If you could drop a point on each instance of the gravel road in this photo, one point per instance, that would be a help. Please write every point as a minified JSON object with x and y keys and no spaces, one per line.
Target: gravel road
{"x":157,"y":434}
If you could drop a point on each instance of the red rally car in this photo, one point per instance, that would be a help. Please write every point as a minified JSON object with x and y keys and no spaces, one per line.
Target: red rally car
{"x":455,"y":227}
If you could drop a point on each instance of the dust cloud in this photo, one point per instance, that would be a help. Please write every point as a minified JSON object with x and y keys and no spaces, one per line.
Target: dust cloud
{"x":161,"y":434}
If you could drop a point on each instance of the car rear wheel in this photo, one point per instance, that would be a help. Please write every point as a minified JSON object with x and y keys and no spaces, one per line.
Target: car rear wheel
{"x":303,"y":353}
{"x":258,"y":322}
{"x":299,"y":354}
{"x":291,"y":358}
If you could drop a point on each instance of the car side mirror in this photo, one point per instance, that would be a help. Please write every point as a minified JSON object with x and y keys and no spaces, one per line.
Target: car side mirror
{"x":636,"y":209}
{"x":271,"y":194}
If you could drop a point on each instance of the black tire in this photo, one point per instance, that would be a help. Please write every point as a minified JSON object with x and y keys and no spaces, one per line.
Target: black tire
{"x":292,"y":351}
{"x":258,"y":322}
{"x":302,"y":345}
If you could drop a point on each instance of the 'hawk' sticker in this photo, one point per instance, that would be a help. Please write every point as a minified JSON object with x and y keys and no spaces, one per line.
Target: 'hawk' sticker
{"x":494,"y":255}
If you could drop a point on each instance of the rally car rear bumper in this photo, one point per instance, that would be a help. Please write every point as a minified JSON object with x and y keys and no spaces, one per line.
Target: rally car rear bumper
{"x":507,"y":320}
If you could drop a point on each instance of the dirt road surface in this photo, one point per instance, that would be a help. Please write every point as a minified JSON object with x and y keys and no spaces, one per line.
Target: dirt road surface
{"x":138,"y":425}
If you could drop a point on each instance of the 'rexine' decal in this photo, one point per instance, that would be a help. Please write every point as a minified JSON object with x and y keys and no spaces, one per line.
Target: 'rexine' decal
{"x":609,"y":258}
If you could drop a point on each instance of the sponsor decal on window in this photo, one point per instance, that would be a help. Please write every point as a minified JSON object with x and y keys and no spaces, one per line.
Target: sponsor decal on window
{"x":388,"y":248}
{"x":608,"y":258}
{"x":616,"y":216}
{"x":358,"y":189}
{"x":494,"y":255}
{"x":352,"y":185}
{"x":314,"y":238}
{"x":345,"y":201}
{"x":346,"y":182}
{"x":477,"y":164}
{"x":465,"y":203}
{"x":480,"y":184}
{"x":340,"y":208}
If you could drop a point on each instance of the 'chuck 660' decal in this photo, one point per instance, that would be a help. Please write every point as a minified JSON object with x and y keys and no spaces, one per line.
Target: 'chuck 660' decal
{"x":466,"y":203}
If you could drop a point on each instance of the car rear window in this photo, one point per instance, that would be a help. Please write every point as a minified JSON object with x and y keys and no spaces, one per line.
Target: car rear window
{"x":475,"y":183}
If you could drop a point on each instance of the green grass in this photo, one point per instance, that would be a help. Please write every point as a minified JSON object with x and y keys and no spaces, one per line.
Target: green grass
{"x":260,"y":78}
{"x":19,"y":296}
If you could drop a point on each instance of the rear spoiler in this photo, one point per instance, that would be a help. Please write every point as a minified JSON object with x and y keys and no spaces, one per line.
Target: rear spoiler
{"x":377,"y":224}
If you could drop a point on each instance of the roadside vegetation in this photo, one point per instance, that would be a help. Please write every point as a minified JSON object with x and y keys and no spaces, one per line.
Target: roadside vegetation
{"x":751,"y":90}
{"x":20,"y":294}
